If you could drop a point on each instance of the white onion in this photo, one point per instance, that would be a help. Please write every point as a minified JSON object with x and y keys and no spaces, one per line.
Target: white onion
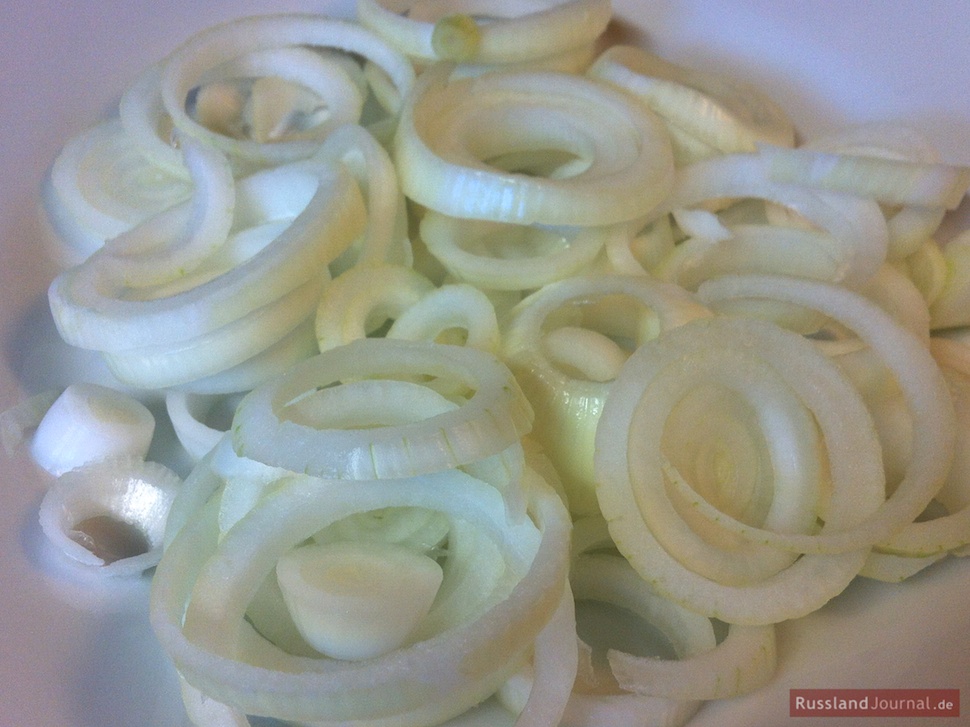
{"x":110,"y":515}
{"x":88,"y":423}
{"x":272,"y":425}
{"x":451,"y":128}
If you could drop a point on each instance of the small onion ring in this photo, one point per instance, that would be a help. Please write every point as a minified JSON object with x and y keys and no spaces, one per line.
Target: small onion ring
{"x":496,"y":416}
{"x":130,"y":493}
{"x":187,"y":66}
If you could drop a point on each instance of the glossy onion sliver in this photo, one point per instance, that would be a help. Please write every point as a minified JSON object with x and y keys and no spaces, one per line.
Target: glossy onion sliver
{"x":270,"y":428}
{"x":452,"y":128}
{"x":512,"y":33}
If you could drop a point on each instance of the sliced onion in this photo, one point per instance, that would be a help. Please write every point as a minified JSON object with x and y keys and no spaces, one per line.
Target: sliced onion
{"x":912,"y":365}
{"x":206,"y":51}
{"x":497,"y":256}
{"x":741,"y":663}
{"x":297,"y":345}
{"x":926,"y":268}
{"x":567,"y":400}
{"x":857,"y":232}
{"x":363,"y":299}
{"x":386,"y":238}
{"x":154,"y":335}
{"x":191,"y":418}
{"x":269,"y":428}
{"x":449,"y":312}
{"x":382,"y":691}
{"x":110,"y":515}
{"x":88,"y":423}
{"x":633,"y":475}
{"x":146,"y":255}
{"x":889,"y":181}
{"x":101,"y":185}
{"x":507,"y":32}
{"x":928,"y":538}
{"x":450,"y":130}
{"x":909,"y":225}
{"x":713,"y":109}
{"x":949,"y":310}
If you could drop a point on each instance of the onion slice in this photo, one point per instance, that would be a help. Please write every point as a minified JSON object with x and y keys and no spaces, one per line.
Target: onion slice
{"x":268,"y":426}
{"x":451,"y":129}
{"x":110,"y":515}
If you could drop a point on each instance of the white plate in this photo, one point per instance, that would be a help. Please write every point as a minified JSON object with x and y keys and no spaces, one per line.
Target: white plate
{"x":73,"y":654}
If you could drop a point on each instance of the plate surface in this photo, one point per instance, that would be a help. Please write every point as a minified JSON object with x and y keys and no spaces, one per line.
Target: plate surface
{"x":81,"y":654}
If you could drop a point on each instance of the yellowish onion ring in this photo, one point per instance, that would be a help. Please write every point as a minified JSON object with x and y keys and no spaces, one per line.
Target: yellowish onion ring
{"x":624,"y":484}
{"x":206,"y":51}
{"x":567,"y":402}
{"x":512,"y":32}
{"x":857,"y":228}
{"x":708,"y":113}
{"x":915,"y":371}
{"x":495,"y":256}
{"x":382,"y":691}
{"x":452,"y":128}
{"x":909,"y":225}
{"x":363,"y":299}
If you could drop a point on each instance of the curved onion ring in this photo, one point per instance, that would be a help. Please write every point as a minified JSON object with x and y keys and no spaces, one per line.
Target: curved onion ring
{"x":361,"y":300}
{"x":741,"y":663}
{"x":101,"y":185}
{"x":514,"y":32}
{"x":909,"y":360}
{"x":632,"y":477}
{"x":495,"y":256}
{"x":155,"y":333}
{"x":857,"y":228}
{"x":566,"y":401}
{"x":270,"y":428}
{"x":206,"y":51}
{"x":111,"y":514}
{"x":910,"y":225}
{"x":451,"y":129}
{"x":380,"y":691}
{"x":715,"y":113}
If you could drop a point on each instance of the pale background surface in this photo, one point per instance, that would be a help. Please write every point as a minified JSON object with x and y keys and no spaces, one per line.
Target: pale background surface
{"x":75,"y":655}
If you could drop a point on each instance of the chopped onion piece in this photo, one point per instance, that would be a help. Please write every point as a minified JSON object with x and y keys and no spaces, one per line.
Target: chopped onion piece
{"x":88,"y":423}
{"x":111,"y":514}
{"x":357,"y":600}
